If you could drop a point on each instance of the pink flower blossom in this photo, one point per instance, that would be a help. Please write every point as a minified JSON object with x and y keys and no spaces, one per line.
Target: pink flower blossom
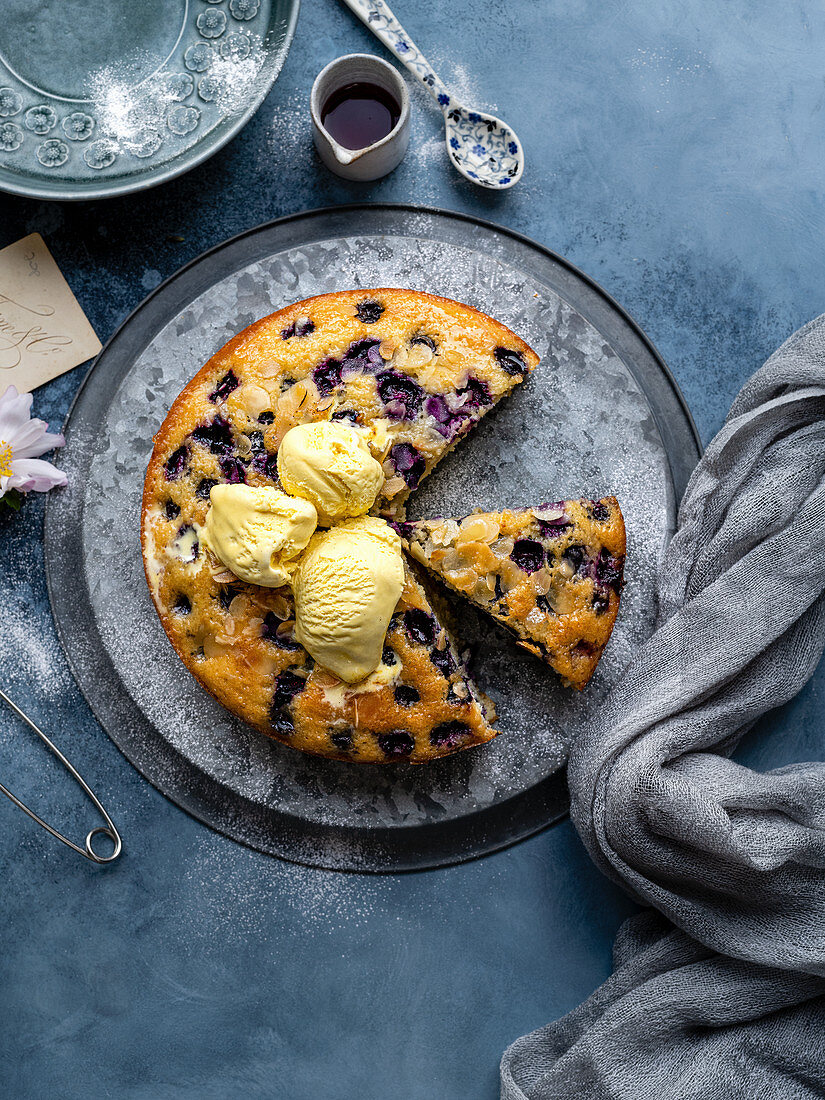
{"x":22,"y":441}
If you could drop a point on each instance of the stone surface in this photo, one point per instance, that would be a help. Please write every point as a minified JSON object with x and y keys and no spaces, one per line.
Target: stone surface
{"x":674,"y":154}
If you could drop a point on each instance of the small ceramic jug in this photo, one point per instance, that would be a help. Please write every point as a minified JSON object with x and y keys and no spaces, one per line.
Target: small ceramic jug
{"x":375,"y":160}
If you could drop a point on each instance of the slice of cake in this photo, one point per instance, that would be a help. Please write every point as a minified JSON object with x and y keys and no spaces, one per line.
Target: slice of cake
{"x":552,"y":574}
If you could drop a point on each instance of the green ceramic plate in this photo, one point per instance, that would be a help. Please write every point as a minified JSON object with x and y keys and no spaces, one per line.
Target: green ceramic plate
{"x":103,"y":97}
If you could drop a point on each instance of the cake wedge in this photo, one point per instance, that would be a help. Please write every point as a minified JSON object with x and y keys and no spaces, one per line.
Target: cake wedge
{"x":552,"y":574}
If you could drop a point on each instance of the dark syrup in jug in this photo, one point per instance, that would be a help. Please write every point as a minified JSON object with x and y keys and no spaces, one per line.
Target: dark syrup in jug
{"x":358,"y":115}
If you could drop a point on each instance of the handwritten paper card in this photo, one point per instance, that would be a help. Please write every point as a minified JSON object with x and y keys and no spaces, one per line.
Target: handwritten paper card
{"x":43,"y":330}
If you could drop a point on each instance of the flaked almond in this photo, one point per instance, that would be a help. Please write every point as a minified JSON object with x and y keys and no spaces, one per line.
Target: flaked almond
{"x":237,"y":607}
{"x":503,"y":548}
{"x":510,"y":575}
{"x":484,"y":589}
{"x":478,"y":529}
{"x":542,"y":581}
{"x":452,"y":560}
{"x":393,"y":486}
{"x":213,"y":647}
{"x":280,"y":606}
{"x":462,"y":578}
{"x":222,"y":575}
{"x":445,"y":533}
{"x":418,"y":356}
{"x":254,"y":399}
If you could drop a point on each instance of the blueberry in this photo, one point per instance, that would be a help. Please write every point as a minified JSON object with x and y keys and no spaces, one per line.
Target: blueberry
{"x":280,"y":721}
{"x":363,"y":354}
{"x":298,"y":330}
{"x":256,"y":443}
{"x":499,"y":589}
{"x":182,"y":606}
{"x":217,"y":436}
{"x":342,"y":739}
{"x":369,"y":312}
{"x":479,"y":393}
{"x":401,"y":393}
{"x":443,"y":661}
{"x":346,"y":414}
{"x":449,"y":734}
{"x":205,"y":488}
{"x":405,"y":695}
{"x":227,"y":594}
{"x":196,"y":546}
{"x":225,"y":386}
{"x":407,"y":463}
{"x":427,"y":341}
{"x":609,"y":571}
{"x":287,"y":685}
{"x":601,"y":512}
{"x":528,"y":555}
{"x":388,"y":656}
{"x":171,"y":510}
{"x":175,"y":465}
{"x":438,"y":409}
{"x":543,"y":604}
{"x":420,"y":626}
{"x":267,"y":417}
{"x":553,"y":529}
{"x":511,"y":362}
{"x":233,"y":470}
{"x":403,"y":529}
{"x":327,"y":376}
{"x":286,"y":383}
{"x":575,"y":556}
{"x":269,"y":630}
{"x":397,"y":743}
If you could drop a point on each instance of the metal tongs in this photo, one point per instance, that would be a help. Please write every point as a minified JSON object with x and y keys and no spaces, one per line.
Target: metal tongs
{"x":107,"y":830}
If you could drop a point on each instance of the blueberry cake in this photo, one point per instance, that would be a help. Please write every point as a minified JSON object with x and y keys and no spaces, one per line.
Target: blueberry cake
{"x":552,"y":574}
{"x":418,"y":372}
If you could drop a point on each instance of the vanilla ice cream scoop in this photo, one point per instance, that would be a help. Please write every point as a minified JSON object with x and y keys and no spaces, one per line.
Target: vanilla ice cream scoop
{"x":346,"y":587}
{"x":258,"y":532}
{"x":329,"y":463}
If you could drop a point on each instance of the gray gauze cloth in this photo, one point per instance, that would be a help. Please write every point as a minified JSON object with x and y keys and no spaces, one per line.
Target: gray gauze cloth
{"x":730,"y":1002}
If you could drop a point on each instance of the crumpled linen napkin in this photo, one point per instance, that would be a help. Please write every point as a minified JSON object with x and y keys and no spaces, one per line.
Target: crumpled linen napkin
{"x":732,"y":1002}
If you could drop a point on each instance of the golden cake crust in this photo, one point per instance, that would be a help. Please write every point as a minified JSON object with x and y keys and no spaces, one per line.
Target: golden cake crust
{"x":364,"y":354}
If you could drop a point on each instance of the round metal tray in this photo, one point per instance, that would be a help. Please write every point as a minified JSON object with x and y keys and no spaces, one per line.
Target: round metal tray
{"x":601,"y":414}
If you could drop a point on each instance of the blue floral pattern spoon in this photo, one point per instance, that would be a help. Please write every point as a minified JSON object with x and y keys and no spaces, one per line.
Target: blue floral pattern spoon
{"x":483,"y":148}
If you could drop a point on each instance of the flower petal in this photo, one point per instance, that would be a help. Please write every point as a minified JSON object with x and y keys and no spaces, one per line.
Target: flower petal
{"x":34,"y":440}
{"x":15,"y":410}
{"x":33,"y":475}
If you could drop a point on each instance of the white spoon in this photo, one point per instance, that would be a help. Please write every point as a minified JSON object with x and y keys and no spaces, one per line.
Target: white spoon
{"x":483,"y":148}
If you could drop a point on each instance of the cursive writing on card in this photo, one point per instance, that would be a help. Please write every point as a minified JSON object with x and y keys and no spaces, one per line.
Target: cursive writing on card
{"x":43,"y":331}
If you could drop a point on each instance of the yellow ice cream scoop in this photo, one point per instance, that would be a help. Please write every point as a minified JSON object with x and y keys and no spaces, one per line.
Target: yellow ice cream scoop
{"x":329,"y":463}
{"x":346,"y":586}
{"x":257,"y":532}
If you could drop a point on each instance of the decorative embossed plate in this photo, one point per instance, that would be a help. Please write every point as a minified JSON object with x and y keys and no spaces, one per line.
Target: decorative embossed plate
{"x":600,"y":414}
{"x":103,"y":97}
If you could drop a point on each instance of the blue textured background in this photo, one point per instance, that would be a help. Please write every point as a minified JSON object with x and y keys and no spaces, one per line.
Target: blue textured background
{"x":676,"y":155}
